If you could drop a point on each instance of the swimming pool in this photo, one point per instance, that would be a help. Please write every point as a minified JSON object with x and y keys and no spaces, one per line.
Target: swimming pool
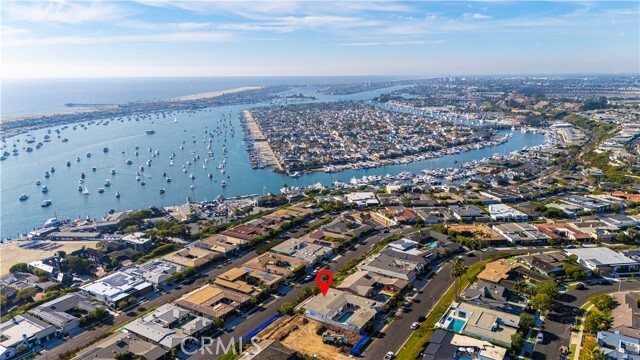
{"x":345,"y":316}
{"x":382,"y":298}
{"x":456,"y":325}
{"x":432,"y":245}
{"x":464,"y":358}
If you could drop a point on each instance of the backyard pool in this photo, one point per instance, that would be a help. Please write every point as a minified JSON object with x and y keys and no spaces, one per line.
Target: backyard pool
{"x":432,"y":245}
{"x":345,"y":316}
{"x":382,"y":298}
{"x":456,"y":325}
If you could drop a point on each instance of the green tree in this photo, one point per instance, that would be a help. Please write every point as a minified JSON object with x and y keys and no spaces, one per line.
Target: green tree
{"x":590,"y":350}
{"x":78,"y":265}
{"x":19,"y":267}
{"x":596,"y":321}
{"x":603,"y":302}
{"x":548,"y":287}
{"x":527,"y":321}
{"x":26,"y":293}
{"x":520,"y":288}
{"x":368,"y":327}
{"x":287,"y":308}
{"x":4,"y":301}
{"x":457,"y":270}
{"x":189,"y":271}
{"x":541,"y":302}
{"x":122,"y":304}
{"x":517,"y":342}
{"x":218,"y":322}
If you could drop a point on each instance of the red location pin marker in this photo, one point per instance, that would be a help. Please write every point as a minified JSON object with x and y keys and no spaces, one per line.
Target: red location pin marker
{"x":324,"y":285}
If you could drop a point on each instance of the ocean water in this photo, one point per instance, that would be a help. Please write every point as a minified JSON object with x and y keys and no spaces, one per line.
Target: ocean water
{"x":18,"y":174}
{"x":39,"y":96}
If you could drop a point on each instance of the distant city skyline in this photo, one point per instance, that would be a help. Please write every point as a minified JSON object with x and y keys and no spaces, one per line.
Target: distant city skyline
{"x":317,"y":38}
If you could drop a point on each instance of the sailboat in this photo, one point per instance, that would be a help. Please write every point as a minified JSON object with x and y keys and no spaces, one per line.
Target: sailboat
{"x":85,"y":191}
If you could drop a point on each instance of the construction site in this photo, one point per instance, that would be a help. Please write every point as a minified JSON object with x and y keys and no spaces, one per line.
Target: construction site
{"x":311,"y":337}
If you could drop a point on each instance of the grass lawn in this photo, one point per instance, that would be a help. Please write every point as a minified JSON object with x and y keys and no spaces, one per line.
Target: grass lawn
{"x":572,"y":351}
{"x":419,"y":338}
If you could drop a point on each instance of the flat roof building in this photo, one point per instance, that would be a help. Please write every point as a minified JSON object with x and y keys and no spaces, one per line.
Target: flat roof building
{"x":521,"y":233}
{"x":192,"y":256}
{"x":302,"y":250}
{"x":121,"y":343}
{"x":605,"y":260}
{"x":341,"y":309}
{"x":23,"y":329}
{"x":502,"y":212}
{"x":213,"y":302}
{"x":168,"y":326}
{"x":117,"y":287}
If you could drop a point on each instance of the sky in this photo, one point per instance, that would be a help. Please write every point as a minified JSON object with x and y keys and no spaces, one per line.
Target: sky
{"x":44,"y":39}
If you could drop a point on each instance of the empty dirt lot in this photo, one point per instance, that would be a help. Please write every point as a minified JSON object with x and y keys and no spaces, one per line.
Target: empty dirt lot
{"x":299,"y":333}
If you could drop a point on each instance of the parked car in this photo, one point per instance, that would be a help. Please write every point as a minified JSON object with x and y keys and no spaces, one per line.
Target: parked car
{"x":307,"y":278}
{"x":421,"y":318}
{"x":389,"y":355}
{"x":580,"y":286}
{"x":415,"y":325}
{"x":540,"y":338}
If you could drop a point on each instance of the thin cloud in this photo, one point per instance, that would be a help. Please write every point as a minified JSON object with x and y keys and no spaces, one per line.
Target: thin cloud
{"x":119,"y":39}
{"x":65,"y":12}
{"x":393,"y":43}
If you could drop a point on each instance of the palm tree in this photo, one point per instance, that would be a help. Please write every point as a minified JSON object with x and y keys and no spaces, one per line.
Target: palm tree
{"x":457,"y":270}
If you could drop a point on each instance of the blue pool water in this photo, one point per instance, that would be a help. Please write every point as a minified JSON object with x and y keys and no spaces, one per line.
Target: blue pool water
{"x":456,"y":325}
{"x":464,"y":358}
{"x":344,"y":317}
{"x":432,"y":245}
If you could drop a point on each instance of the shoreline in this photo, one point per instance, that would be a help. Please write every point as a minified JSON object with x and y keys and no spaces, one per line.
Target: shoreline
{"x":199,"y":96}
{"x":261,"y":148}
{"x":213,"y":94}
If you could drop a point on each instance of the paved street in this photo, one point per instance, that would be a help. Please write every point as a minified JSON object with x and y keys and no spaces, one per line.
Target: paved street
{"x":564,"y":314}
{"x":264,"y":314}
{"x":395,"y":335}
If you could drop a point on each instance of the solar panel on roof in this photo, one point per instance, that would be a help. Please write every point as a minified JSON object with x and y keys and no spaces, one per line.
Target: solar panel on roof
{"x":269,"y":277}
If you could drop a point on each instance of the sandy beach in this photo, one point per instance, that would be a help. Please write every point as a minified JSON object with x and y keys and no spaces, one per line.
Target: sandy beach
{"x":71,"y":111}
{"x":260,"y":143}
{"x":11,"y":253}
{"x":81,"y":110}
{"x":215,"y":93}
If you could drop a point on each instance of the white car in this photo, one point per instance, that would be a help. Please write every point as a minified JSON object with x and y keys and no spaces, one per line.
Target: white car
{"x":389,"y":355}
{"x":415,"y":325}
{"x":539,"y":338}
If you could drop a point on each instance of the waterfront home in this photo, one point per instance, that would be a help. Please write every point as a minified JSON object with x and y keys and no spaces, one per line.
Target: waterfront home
{"x":362,"y":199}
{"x":341,"y":309}
{"x":213,"y":302}
{"x":26,"y":330}
{"x":169,"y":326}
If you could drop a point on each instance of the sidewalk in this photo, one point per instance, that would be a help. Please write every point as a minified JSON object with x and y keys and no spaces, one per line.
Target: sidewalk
{"x":576,"y":338}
